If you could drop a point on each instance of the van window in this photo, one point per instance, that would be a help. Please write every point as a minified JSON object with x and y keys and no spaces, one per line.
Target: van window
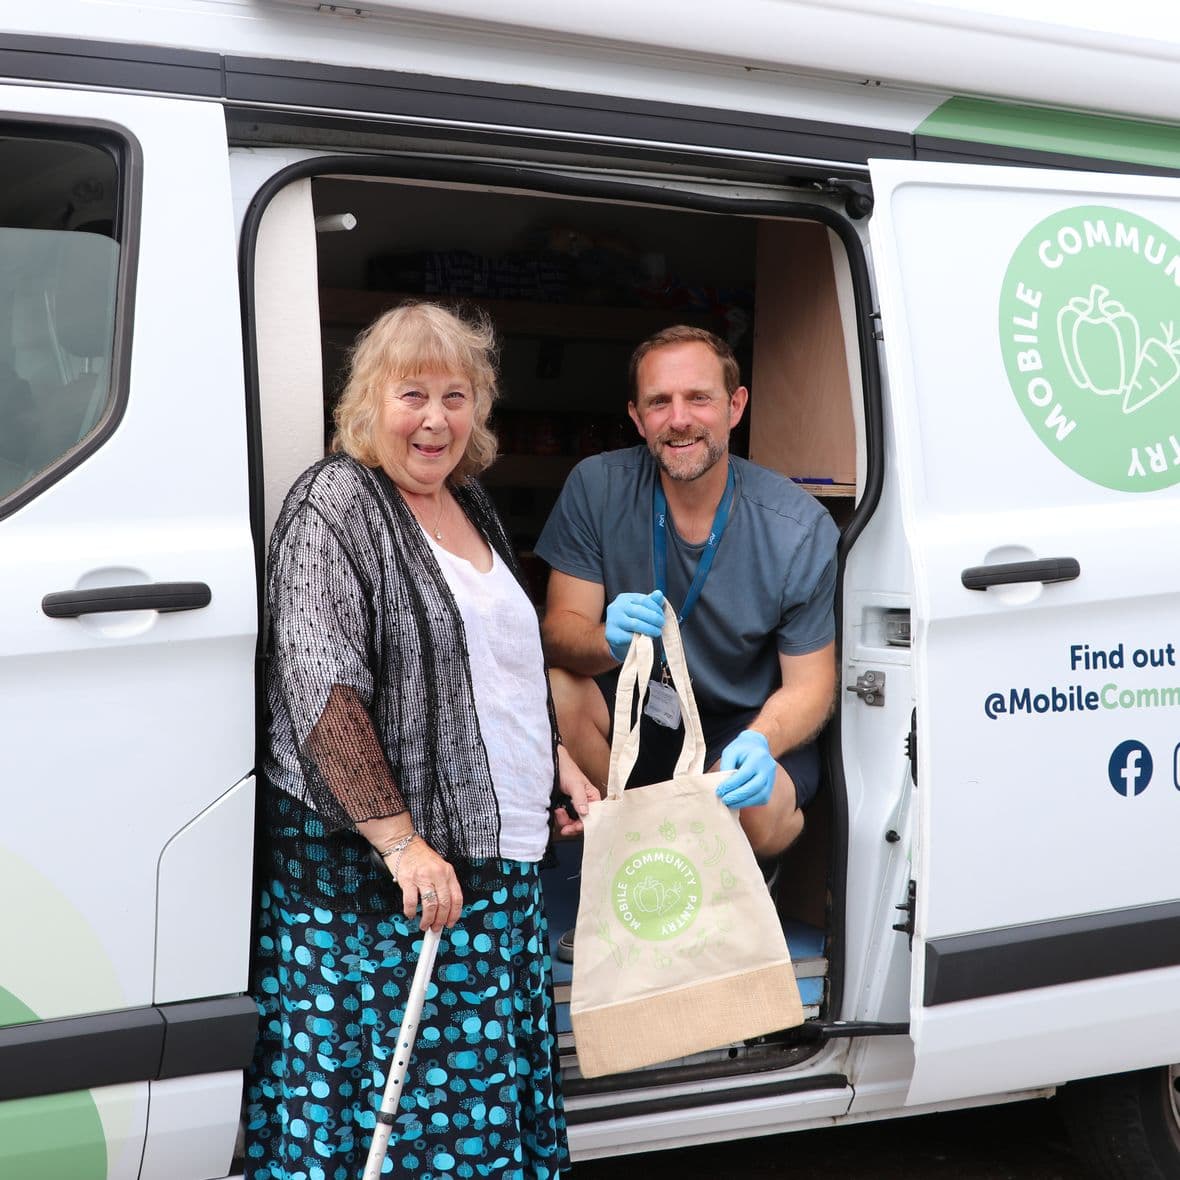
{"x":59,"y":264}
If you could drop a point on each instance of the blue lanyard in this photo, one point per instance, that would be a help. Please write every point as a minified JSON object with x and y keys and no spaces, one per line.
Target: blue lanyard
{"x":659,"y":535}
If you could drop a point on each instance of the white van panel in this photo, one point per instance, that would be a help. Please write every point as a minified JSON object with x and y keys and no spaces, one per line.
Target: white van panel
{"x":139,"y":719}
{"x":287,"y":322}
{"x":206,"y":902}
{"x":1030,"y":54}
{"x":1036,"y":834}
{"x":480,"y":50}
{"x":124,"y":1112}
{"x":764,"y":55}
{"x":190,"y":1131}
{"x":981,"y":1046}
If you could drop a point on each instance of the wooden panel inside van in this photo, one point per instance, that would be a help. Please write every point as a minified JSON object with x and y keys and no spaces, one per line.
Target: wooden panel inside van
{"x":800,"y":401}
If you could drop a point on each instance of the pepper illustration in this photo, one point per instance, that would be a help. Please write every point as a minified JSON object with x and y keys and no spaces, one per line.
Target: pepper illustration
{"x":1158,"y":369}
{"x":1099,"y":342}
{"x":668,"y":830}
{"x":652,"y":896}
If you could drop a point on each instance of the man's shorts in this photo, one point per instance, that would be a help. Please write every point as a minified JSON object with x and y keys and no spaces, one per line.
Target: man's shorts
{"x":659,"y":746}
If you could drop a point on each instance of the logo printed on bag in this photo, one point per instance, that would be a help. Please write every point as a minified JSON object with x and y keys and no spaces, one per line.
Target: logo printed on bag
{"x":1091,"y":344}
{"x":657,"y":893}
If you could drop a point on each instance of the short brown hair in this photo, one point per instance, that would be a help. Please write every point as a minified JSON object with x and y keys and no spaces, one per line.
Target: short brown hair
{"x":412,"y":338}
{"x":684,"y":334}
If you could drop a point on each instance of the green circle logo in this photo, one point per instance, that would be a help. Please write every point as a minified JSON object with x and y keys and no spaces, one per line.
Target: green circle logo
{"x":1090,"y":334}
{"x":657,"y":894}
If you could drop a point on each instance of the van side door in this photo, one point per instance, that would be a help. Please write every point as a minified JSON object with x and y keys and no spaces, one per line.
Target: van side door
{"x":1032,"y":339}
{"x":127,"y":635}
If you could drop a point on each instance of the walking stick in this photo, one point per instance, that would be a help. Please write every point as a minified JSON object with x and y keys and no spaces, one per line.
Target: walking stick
{"x":399,"y":1061}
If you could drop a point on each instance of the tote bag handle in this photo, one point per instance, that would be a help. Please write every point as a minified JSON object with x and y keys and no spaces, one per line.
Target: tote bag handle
{"x":633,"y":679}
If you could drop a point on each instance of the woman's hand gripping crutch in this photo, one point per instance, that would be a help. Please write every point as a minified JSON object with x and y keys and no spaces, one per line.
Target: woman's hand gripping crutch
{"x":399,"y":1061}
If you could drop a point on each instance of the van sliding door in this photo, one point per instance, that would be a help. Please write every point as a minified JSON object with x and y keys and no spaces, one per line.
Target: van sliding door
{"x":1032,"y":337}
{"x":127,"y":635}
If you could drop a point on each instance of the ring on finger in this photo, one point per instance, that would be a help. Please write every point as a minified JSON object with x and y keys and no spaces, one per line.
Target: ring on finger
{"x":429,"y":895}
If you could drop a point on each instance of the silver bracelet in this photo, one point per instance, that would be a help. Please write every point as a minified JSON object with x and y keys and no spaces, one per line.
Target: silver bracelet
{"x":396,"y":849}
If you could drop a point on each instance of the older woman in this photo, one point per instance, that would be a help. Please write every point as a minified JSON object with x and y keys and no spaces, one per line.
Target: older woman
{"x":410,"y":728}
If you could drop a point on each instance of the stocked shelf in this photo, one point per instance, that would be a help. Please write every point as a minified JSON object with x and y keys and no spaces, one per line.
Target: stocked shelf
{"x":823,"y":490}
{"x":542,"y":448}
{"x":529,"y":471}
{"x":551,"y":471}
{"x":345,"y":307}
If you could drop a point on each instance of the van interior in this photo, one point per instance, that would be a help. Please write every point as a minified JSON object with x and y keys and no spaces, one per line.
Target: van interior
{"x":572,"y":286}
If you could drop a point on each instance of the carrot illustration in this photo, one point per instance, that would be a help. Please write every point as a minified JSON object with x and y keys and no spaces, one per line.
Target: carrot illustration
{"x":1158,"y":369}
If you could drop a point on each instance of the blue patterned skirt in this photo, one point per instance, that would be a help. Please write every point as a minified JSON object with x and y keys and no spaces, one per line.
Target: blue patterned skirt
{"x":333,"y":965}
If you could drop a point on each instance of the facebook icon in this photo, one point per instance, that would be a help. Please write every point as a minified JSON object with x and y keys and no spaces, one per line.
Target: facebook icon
{"x":1130,"y":768}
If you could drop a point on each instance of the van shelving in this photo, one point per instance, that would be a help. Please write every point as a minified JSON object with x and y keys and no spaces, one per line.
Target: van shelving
{"x":564,"y":360}
{"x":519,"y":317}
{"x":792,"y":345}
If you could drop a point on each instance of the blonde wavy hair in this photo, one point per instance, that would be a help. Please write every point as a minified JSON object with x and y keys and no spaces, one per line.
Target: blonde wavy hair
{"x":414,"y":338}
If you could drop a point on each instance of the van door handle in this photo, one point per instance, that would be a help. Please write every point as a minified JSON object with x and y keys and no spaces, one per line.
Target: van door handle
{"x":161,"y":596}
{"x":1045,"y":569}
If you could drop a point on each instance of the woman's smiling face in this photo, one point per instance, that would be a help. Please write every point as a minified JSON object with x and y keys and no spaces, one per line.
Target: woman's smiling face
{"x":422,"y":428}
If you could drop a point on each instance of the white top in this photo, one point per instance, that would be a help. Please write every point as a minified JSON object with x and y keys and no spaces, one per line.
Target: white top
{"x":508,"y":679}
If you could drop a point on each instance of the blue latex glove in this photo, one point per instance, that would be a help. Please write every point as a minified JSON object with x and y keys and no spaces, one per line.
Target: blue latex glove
{"x":633,"y":614}
{"x":754,"y":768}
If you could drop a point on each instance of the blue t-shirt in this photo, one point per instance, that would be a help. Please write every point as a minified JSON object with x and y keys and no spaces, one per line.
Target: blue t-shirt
{"x":771,"y":588}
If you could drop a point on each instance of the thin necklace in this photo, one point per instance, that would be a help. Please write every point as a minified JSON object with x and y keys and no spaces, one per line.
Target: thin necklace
{"x":438,"y":520}
{"x":436,"y":532}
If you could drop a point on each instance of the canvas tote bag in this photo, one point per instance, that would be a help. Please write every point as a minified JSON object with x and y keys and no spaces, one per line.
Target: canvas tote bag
{"x":677,"y":946}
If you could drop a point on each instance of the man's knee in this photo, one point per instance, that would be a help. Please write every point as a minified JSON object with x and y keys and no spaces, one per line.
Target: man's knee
{"x":774,"y":827}
{"x":791,"y":826}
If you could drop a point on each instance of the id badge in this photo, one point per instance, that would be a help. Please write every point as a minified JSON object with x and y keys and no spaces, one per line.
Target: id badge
{"x":663,"y":705}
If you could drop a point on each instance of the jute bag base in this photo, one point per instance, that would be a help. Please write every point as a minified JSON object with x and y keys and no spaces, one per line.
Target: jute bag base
{"x":635,"y":1034}
{"x":677,"y":947}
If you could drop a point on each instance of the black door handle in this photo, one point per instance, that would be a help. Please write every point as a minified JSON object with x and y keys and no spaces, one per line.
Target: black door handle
{"x":1045,"y":569}
{"x":161,"y":596}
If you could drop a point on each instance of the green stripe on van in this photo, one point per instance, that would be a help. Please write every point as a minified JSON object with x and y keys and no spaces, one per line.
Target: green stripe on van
{"x":14,"y":1011}
{"x":54,"y":1137}
{"x":1036,"y":129}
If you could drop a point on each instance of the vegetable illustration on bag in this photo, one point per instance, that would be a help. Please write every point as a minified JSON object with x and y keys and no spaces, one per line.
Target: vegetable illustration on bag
{"x":1100,"y":344}
{"x":652,"y":896}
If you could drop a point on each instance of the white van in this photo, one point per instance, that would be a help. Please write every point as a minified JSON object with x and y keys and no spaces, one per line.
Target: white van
{"x":956,"y":297}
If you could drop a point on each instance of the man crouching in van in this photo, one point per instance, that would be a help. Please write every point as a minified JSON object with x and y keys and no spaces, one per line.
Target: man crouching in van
{"x":745,"y":558}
